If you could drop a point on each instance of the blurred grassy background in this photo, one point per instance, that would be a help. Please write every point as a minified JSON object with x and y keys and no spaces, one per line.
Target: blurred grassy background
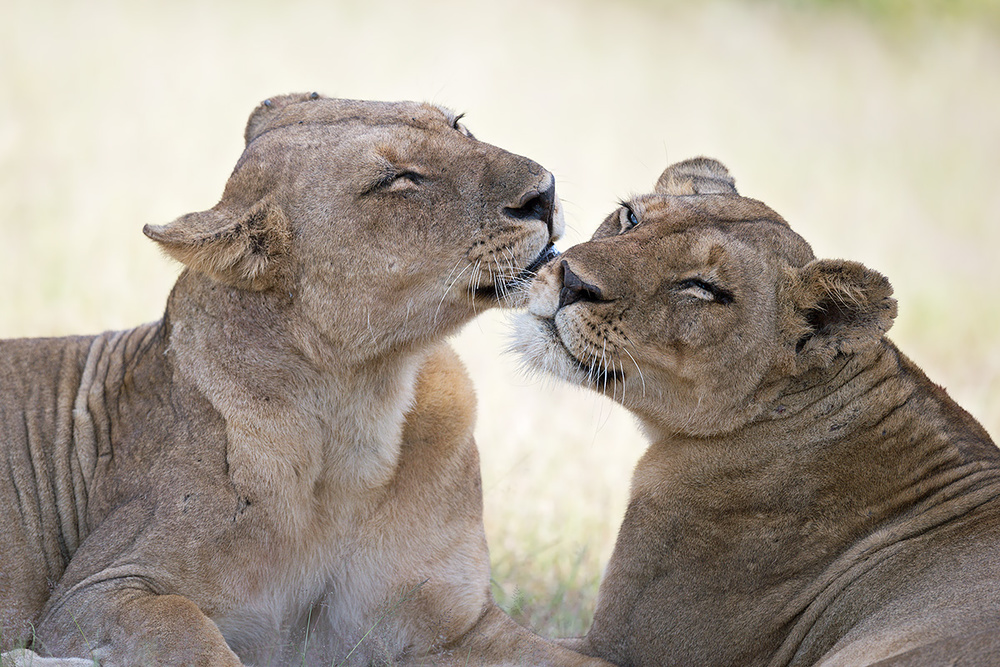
{"x":873,"y":126}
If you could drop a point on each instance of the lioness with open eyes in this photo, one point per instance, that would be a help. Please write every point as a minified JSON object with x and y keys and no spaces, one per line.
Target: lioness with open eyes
{"x":282,"y":470}
{"x":809,"y":497}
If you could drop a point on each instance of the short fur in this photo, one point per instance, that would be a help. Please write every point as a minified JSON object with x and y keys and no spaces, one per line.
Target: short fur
{"x":809,"y":497}
{"x":281,"y":470}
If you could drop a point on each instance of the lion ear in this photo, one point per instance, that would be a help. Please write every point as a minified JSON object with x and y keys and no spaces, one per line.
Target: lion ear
{"x":843,"y":307}
{"x":697,"y":176}
{"x":245,"y":248}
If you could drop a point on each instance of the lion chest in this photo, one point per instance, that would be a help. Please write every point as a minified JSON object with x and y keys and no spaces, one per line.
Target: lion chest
{"x":376,"y":573}
{"x":303,"y":583}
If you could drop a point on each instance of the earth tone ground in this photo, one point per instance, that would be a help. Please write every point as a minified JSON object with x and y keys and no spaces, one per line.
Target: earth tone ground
{"x":872,"y":127}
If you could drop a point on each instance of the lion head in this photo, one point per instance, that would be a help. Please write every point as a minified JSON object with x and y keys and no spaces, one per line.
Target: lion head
{"x":382,"y":224}
{"x":693,"y":306}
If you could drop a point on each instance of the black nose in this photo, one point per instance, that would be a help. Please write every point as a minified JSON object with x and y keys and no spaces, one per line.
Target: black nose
{"x":574,"y":289}
{"x":535,"y":205}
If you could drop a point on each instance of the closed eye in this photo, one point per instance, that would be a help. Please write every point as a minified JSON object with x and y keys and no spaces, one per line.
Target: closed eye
{"x":704,"y":290}
{"x":396,"y":181}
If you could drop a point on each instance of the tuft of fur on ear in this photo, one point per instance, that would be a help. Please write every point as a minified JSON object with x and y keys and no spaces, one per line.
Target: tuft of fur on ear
{"x":843,"y":307}
{"x":697,"y":176}
{"x":246,"y":248}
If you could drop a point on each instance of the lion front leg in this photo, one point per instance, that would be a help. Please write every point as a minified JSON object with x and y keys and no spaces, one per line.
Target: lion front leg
{"x":120,"y":622}
{"x":577,"y":644}
{"x":23,"y":657}
{"x":497,"y":641}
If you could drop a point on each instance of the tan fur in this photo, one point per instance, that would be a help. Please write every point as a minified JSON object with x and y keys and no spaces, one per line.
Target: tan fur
{"x":809,"y":497}
{"x":282,"y":470}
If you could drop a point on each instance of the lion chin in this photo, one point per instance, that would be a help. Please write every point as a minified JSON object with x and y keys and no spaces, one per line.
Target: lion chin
{"x":282,"y":469}
{"x":808,"y":497}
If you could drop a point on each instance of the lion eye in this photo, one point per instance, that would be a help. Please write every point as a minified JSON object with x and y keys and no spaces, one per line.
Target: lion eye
{"x":627,"y":218}
{"x":407,"y":178}
{"x":705,"y":291}
{"x":397,"y":181}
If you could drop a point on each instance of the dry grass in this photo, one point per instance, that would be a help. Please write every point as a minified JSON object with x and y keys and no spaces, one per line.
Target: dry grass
{"x":876,"y":138}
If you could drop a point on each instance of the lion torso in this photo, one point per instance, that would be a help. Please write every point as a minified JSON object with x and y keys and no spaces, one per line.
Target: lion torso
{"x":896,"y":549}
{"x":44,"y":513}
{"x":104,"y":441}
{"x":96,"y":427}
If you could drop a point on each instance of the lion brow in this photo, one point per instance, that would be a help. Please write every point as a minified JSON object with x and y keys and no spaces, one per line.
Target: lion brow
{"x":352,"y":118}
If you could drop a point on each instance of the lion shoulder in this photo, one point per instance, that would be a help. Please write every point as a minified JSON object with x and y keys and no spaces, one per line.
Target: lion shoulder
{"x":444,"y":405}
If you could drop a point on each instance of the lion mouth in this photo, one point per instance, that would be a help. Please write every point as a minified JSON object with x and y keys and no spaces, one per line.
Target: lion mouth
{"x":598,"y":375}
{"x":595,"y":374}
{"x":519,"y":283}
{"x":548,"y":254}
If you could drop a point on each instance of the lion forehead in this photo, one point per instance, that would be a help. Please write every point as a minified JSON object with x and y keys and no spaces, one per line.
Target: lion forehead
{"x":315,"y":110}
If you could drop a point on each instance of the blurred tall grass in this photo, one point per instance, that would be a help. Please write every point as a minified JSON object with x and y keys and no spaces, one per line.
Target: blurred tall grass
{"x":872,"y":126}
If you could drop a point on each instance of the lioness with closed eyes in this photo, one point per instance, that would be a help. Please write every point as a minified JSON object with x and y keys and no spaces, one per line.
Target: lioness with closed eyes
{"x":281,"y":470}
{"x":808,"y":497}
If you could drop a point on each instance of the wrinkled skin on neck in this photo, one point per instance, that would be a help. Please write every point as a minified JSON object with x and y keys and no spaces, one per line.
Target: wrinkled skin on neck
{"x":808,"y":496}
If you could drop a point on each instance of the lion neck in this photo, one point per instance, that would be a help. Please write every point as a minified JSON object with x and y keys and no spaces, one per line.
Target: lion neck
{"x":866,"y":416}
{"x":845,"y":462}
{"x":300,"y":418}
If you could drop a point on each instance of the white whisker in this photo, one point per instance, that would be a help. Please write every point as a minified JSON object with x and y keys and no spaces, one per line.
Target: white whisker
{"x":510,"y":277}
{"x":449,"y":285}
{"x":475,"y":278}
{"x":604,"y":366}
{"x":621,"y":370}
{"x":639,"y":370}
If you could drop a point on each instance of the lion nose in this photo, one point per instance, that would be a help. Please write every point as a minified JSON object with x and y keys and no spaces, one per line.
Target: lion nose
{"x":574,"y":289}
{"x":536,"y":204}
